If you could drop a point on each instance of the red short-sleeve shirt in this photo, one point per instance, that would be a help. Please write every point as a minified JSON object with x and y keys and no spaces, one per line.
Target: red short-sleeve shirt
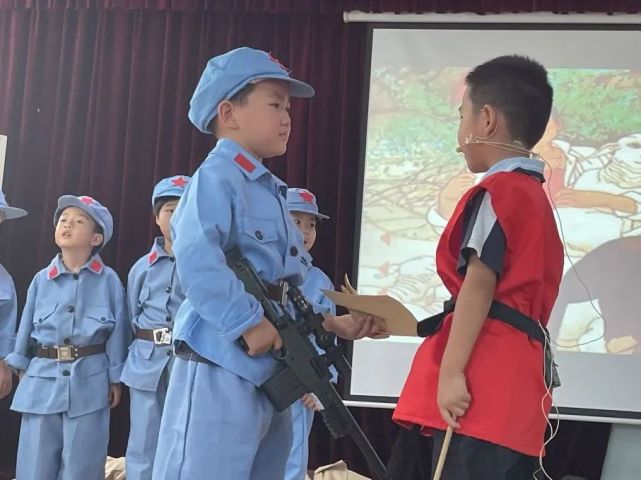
{"x":505,"y":370}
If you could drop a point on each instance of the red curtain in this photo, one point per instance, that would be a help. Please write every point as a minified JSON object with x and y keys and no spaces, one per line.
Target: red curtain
{"x":289,"y":7}
{"x":94,"y":97}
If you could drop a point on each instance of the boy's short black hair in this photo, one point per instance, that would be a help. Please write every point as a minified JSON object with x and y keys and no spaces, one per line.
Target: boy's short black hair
{"x":517,"y":86}
{"x":238,"y":98}
{"x":160,"y":202}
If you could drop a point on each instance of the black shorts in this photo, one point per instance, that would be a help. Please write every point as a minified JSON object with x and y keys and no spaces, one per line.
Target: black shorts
{"x":473,"y":459}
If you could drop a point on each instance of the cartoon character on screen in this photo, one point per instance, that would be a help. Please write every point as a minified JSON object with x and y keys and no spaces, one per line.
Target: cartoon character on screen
{"x":598,"y":304}
{"x":587,"y":187}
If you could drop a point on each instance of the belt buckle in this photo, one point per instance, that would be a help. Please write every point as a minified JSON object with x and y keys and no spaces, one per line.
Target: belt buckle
{"x":65,"y":353}
{"x":284,"y":286}
{"x":162,"y":336}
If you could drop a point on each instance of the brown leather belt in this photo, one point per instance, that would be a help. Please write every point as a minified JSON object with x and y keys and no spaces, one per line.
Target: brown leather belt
{"x":160,"y":336}
{"x":185,"y":352}
{"x":69,"y":353}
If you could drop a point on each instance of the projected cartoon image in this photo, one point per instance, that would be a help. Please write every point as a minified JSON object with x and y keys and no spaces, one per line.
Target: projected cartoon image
{"x":592,"y":148}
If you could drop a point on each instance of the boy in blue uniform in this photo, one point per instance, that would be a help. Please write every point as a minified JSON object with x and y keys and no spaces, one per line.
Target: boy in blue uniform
{"x":153,"y":296}
{"x":70,"y":350}
{"x":8,"y":305}
{"x":304,"y":211}
{"x":221,"y":425}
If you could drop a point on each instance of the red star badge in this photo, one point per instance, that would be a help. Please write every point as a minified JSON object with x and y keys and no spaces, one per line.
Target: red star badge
{"x":179,"y":182}
{"x":87,"y":200}
{"x":152,"y":257}
{"x":278,"y":62}
{"x":306,"y":196}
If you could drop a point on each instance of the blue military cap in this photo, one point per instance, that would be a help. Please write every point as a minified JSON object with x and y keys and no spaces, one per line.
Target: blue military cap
{"x":170,"y":187}
{"x":225,"y":75}
{"x":302,"y":200}
{"x":10,"y":212}
{"x":93,"y":208}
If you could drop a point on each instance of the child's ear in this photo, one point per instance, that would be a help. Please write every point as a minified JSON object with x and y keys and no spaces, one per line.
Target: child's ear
{"x":226,"y":115}
{"x":489,"y":117}
{"x":97,"y":239}
{"x":157,"y":217}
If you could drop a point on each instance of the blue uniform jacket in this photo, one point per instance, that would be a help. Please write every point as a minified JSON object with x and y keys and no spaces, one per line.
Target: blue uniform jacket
{"x":64,"y":308}
{"x":315,"y":281}
{"x":8,"y":312}
{"x":153,"y":297}
{"x":232,"y":201}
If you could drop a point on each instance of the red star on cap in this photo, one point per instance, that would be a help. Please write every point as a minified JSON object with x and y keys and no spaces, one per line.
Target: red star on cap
{"x":96,"y":266}
{"x":179,"y":182}
{"x":244,"y":163}
{"x":278,"y":62}
{"x":152,"y":257}
{"x":87,"y":200}
{"x":307,"y":196}
{"x":53,"y":272}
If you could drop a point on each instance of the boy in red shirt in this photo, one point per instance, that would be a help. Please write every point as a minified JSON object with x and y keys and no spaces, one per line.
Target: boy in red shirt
{"x":481,"y":371}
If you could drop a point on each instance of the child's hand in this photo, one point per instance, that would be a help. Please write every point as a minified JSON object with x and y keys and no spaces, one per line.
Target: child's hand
{"x":6,"y":381}
{"x":114,"y":394}
{"x":262,"y":338}
{"x":453,"y":397}
{"x":309,"y":403}
{"x":356,"y":325}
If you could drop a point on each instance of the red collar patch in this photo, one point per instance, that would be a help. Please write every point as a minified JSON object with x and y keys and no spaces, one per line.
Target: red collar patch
{"x":53,"y":272}
{"x":244,"y":163}
{"x":96,"y":266}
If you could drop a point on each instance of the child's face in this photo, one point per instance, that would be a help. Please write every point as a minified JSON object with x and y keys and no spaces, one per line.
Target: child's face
{"x":306,"y":223}
{"x":76,"y":229}
{"x":263,"y":124}
{"x":470,"y":126}
{"x":163,"y":218}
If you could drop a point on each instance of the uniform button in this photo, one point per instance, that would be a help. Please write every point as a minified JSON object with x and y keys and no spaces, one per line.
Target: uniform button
{"x":169,"y":353}
{"x":168,"y":289}
{"x":76,"y":276}
{"x":70,"y":309}
{"x":259,"y":235}
{"x":67,"y":341}
{"x":168,"y":318}
{"x":172,"y":259}
{"x":293,"y":251}
{"x":66,"y":373}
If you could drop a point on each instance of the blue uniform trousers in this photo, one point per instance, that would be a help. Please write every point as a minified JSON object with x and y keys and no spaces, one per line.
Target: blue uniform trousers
{"x":219,"y":425}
